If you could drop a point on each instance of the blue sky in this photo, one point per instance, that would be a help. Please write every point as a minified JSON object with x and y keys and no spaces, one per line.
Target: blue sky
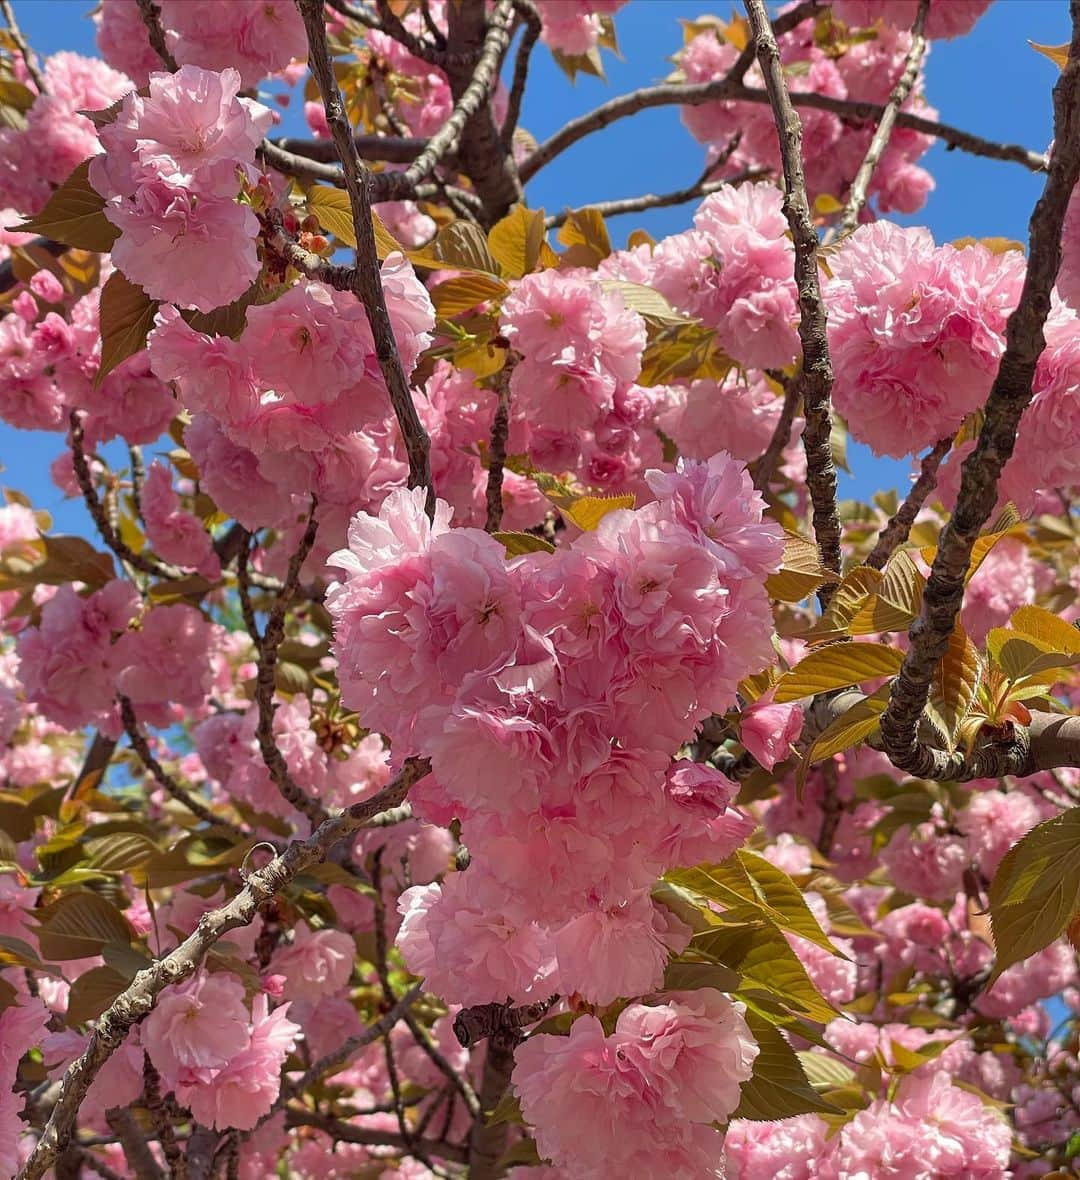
{"x":991,"y":83}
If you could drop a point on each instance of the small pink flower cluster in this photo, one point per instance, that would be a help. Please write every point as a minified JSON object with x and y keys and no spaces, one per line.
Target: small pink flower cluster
{"x":172,"y":168}
{"x":85,"y":650}
{"x":945,"y":18}
{"x":255,"y":37}
{"x":733,"y":271}
{"x":862,"y":70}
{"x":643,"y":1101}
{"x":573,"y":26}
{"x":931,"y":1130}
{"x":22,"y":1026}
{"x":525,"y":682}
{"x":916,"y":333}
{"x":56,"y":138}
{"x":223,"y":1062}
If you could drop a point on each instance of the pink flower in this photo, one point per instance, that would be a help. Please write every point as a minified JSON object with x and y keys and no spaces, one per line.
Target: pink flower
{"x":21,"y":1029}
{"x":176,"y":535}
{"x":166,"y":660}
{"x":924,"y":862}
{"x":768,"y":730}
{"x":947,"y":18}
{"x":791,"y":1149}
{"x":695,"y":1049}
{"x":315,"y":964}
{"x":200,"y":1024}
{"x":245,"y":1090}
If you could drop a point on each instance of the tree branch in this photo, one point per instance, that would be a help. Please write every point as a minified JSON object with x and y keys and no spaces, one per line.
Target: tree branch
{"x":137,"y":1153}
{"x":1009,"y":397}
{"x":366,"y":277}
{"x":860,"y":186}
{"x":815,"y":377}
{"x":151,"y":16}
{"x":896,"y":531}
{"x":533,"y":28}
{"x":165,"y":780}
{"x":390,"y":148}
{"x":345,"y":1132}
{"x":500,"y":427}
{"x":22,"y":45}
{"x":765,"y":467}
{"x":139,"y":997}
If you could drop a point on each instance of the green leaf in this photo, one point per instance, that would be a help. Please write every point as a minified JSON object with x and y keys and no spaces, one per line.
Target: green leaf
{"x":127,"y":315}
{"x":75,"y":215}
{"x":1036,"y":890}
{"x":515,"y":241}
{"x":684,"y":975}
{"x":92,"y":993}
{"x":508,"y":1111}
{"x":230,"y":320}
{"x":823,"y":1072}
{"x":517,"y":544}
{"x":121,"y":852}
{"x":779,"y":1087}
{"x":837,"y":666}
{"x":331,"y":206}
{"x":15,"y":95}
{"x":459,"y":246}
{"x":78,"y":925}
{"x":785,"y":898}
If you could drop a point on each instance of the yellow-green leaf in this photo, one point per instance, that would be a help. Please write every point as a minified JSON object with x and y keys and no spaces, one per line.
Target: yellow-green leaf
{"x":801,"y":573}
{"x":459,"y":246}
{"x":954,"y":685}
{"x":331,"y":206}
{"x":588,"y":511}
{"x":779,"y":1087}
{"x":1036,"y":890}
{"x":683,"y":975}
{"x":515,"y":241}
{"x":127,"y":315}
{"x":839,"y":665}
{"x":856,"y":587}
{"x":520,"y":543}
{"x":1047,"y":628}
{"x":465,"y":292}
{"x":784,"y":897}
{"x":1058,"y":54}
{"x":644,"y":300}
{"x":586,"y":237}
{"x":75,"y":215}
{"x":120,"y":852}
{"x":858,"y":723}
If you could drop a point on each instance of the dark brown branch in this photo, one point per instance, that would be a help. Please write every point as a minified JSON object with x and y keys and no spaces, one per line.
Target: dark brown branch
{"x":345,"y":1132}
{"x":109,"y":534}
{"x":165,"y":780}
{"x":500,"y":427}
{"x":896,"y":532}
{"x":166,"y":1133}
{"x":293,"y":164}
{"x":97,"y":759}
{"x":476,"y":1024}
{"x":389,"y":148}
{"x":417,"y":46}
{"x":765,"y":467}
{"x":526,"y":10}
{"x":695,"y":94}
{"x":1009,"y":397}
{"x":487,"y":1142}
{"x":137,"y":1152}
{"x":366,"y":278}
{"x":860,"y":186}
{"x":151,"y":16}
{"x":275,"y":762}
{"x":139,"y":997}
{"x":815,"y":377}
{"x":22,"y":45}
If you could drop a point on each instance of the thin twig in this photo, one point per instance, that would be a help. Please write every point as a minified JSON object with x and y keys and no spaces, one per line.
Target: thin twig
{"x":526,"y":10}
{"x":109,"y":534}
{"x":815,"y":377}
{"x":344,"y":1132}
{"x":896,"y":531}
{"x":137,"y":1154}
{"x":860,"y":186}
{"x":500,"y":428}
{"x":165,"y":780}
{"x":390,"y":148}
{"x":290,"y":789}
{"x":366,"y":277}
{"x":22,"y":45}
{"x":695,"y":94}
{"x":139,"y":997}
{"x":765,"y":467}
{"x":166,"y":1133}
{"x":1009,"y":396}
{"x":151,"y":16}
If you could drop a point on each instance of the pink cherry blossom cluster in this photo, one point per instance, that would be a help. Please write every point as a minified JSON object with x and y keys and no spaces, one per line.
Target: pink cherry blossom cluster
{"x":56,"y":138}
{"x":859,"y":70}
{"x":255,"y":37}
{"x":915,"y":332}
{"x":945,"y":18}
{"x":573,"y":26}
{"x":524,"y":681}
{"x":642,"y":1101}
{"x":172,"y":166}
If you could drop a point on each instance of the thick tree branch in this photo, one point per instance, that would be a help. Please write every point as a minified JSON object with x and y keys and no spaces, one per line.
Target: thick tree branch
{"x":896,"y":532}
{"x":815,"y":377}
{"x":860,"y":186}
{"x":389,"y":148}
{"x":1009,"y":397}
{"x":488,"y":1140}
{"x":133,"y":1004}
{"x":366,"y":277}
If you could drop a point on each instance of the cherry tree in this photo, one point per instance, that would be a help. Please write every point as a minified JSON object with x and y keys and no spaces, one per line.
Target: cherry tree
{"x":474,"y":739}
